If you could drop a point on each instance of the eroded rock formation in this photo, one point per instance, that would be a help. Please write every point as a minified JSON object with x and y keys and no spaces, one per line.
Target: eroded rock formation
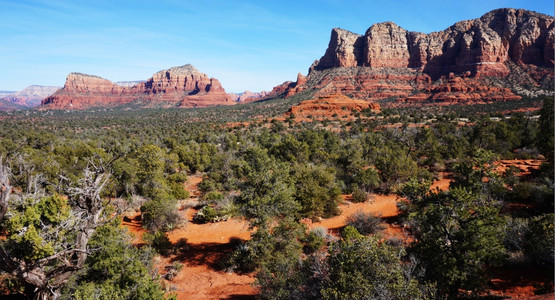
{"x":181,"y":86}
{"x":480,"y":46}
{"x":391,"y":62}
{"x":331,"y":106}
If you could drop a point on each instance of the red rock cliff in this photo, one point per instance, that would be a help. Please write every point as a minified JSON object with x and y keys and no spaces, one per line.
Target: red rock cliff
{"x":181,"y":86}
{"x":481,"y":46}
{"x":503,"y":51}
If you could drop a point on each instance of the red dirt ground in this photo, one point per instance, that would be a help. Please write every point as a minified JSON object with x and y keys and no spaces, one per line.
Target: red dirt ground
{"x":208,"y":243}
{"x":201,"y":278}
{"x":525,"y":166}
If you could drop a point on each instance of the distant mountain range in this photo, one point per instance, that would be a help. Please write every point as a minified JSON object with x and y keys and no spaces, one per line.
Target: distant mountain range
{"x":29,"y":97}
{"x":502,"y":56}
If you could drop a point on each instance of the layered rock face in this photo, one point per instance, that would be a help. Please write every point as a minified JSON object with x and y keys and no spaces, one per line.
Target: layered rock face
{"x":82,"y":91}
{"x":480,"y":46}
{"x":331,"y":106}
{"x":391,"y":62}
{"x":461,"y":90}
{"x":181,"y":86}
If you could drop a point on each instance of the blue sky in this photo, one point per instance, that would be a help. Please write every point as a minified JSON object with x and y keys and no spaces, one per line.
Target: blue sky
{"x":247,"y":45}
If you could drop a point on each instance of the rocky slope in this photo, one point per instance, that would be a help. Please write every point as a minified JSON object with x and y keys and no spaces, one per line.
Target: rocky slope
{"x":331,"y":106}
{"x":31,"y":96}
{"x":453,"y":65}
{"x":181,"y":86}
{"x":6,"y":105}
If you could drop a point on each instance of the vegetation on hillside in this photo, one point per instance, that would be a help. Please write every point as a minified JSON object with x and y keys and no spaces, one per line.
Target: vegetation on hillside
{"x":65,"y":176}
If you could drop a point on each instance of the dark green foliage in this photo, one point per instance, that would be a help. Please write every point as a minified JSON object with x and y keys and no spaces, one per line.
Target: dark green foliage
{"x":359,"y":195}
{"x":470,"y":173}
{"x":547,"y":131}
{"x":32,"y":230}
{"x":364,"y":268}
{"x":458,"y":233}
{"x":356,"y":267}
{"x":280,"y":243}
{"x":268,"y":171}
{"x":267,"y":191}
{"x":207,"y":214}
{"x":212,"y":197}
{"x":159,"y":241}
{"x":367,"y":179}
{"x":314,"y":240}
{"x":316,"y":191}
{"x":395,"y":167}
{"x":160,"y":214}
{"x":539,"y":242}
{"x":115,"y":270}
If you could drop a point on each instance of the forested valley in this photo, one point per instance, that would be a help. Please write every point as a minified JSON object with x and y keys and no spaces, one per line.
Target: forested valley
{"x":66,"y":178}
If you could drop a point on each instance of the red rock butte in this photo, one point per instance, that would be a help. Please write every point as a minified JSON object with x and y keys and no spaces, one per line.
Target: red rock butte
{"x":456,"y":65}
{"x":181,"y":86}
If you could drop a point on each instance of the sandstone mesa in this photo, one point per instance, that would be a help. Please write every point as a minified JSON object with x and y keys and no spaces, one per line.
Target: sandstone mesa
{"x":181,"y":86}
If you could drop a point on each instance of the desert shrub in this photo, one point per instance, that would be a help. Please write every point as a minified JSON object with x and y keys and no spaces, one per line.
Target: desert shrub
{"x":365,"y":223}
{"x":539,"y":241}
{"x":367,"y":179}
{"x":115,"y":270}
{"x":207,"y":214}
{"x":515,"y":232}
{"x":159,"y":241}
{"x":540,"y":194}
{"x":172,"y":270}
{"x":178,"y":191}
{"x":266,"y":246}
{"x":314,"y":240}
{"x":160,"y":214}
{"x":212,"y":197}
{"x":453,"y":229}
{"x":316,"y":191}
{"x":359,"y":195}
{"x":242,"y":259}
{"x":360,"y":267}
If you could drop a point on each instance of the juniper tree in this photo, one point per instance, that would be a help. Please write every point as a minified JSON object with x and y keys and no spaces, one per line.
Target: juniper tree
{"x":48,"y":235}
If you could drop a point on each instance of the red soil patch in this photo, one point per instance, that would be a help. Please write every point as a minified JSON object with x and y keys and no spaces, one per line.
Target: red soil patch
{"x":442,"y":183}
{"x":132,"y":221}
{"x":518,"y":282}
{"x":192,"y":185}
{"x":200,"y":277}
{"x":335,"y":106}
{"x":525,"y":166}
{"x":209,"y":243}
{"x":382,"y":205}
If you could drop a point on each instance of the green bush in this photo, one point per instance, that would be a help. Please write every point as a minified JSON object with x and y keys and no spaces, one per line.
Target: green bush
{"x":207,"y":214}
{"x":159,"y":241}
{"x":359,"y":195}
{"x":160,"y":214}
{"x":539,"y":241}
{"x":314,"y":240}
{"x":365,"y":223}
